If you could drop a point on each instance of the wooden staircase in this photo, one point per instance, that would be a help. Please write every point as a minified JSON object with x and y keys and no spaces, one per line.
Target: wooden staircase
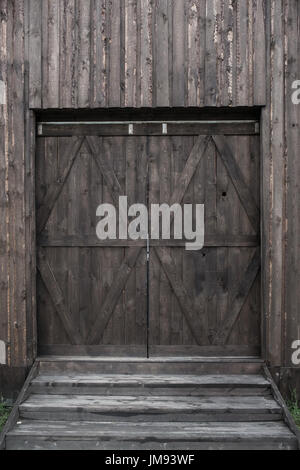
{"x":157,"y":404}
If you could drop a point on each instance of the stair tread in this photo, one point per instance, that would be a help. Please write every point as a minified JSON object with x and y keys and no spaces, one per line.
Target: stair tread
{"x":162,"y":430}
{"x":148,"y":404}
{"x":153,"y":380}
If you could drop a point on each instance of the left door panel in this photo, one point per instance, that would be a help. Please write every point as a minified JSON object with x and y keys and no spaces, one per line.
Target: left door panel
{"x":92,"y":295}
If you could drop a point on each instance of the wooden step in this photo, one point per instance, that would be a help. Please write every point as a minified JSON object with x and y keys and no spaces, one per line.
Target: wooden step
{"x":150,"y":408}
{"x":65,"y":435}
{"x":157,"y":365}
{"x":121,"y":384}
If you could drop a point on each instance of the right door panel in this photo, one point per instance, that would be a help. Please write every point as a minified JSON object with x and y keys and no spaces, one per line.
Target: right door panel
{"x":207,"y":302}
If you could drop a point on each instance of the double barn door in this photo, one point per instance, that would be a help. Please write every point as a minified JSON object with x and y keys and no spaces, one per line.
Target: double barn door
{"x":122,"y":297}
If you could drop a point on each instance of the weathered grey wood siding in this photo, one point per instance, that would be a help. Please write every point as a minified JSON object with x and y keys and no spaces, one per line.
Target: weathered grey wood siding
{"x":89,"y":54}
{"x":133,"y":53}
{"x":14,"y":327}
{"x":281,"y":167}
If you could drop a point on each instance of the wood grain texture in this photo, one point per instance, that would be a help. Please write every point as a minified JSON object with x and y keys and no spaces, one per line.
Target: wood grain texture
{"x":13,"y":271}
{"x":262,"y":51}
{"x":137,"y":410}
{"x":99,"y":288}
{"x":143,"y":53}
{"x":203,"y":293}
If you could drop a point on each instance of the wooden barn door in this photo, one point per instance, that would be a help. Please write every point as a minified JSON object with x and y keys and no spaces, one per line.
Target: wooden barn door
{"x":207,"y":302}
{"x":91,"y":294}
{"x":106,"y":297}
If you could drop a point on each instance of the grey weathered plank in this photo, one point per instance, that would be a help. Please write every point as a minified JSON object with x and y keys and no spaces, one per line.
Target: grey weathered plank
{"x":161,"y":53}
{"x":116,"y":380}
{"x":131,"y":52}
{"x":129,"y":404}
{"x":67,"y":66}
{"x":58,"y":298}
{"x":84,"y":53}
{"x":134,"y":365}
{"x":211,"y":76}
{"x":276,"y":146}
{"x":213,"y":431}
{"x":35,"y":43}
{"x":193,"y":160}
{"x":53,"y":54}
{"x":149,"y":128}
{"x":105,"y":168}
{"x":259,"y":59}
{"x":23,"y":443}
{"x":46,"y":207}
{"x":179,"y":62}
{"x":97,"y":329}
{"x":237,"y":178}
{"x":115,"y":65}
{"x":194,"y":320}
{"x":93,"y":241}
{"x":239,"y":298}
{"x":146,"y":52}
{"x":144,"y":408}
{"x":99,"y":54}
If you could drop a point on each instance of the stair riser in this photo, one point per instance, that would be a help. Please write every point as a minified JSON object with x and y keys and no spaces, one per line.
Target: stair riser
{"x":27,"y":443}
{"x":194,"y":416}
{"x":114,"y":367}
{"x":147,"y":391}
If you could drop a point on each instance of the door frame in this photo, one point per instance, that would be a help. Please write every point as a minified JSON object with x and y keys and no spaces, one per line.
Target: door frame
{"x":32,"y":131}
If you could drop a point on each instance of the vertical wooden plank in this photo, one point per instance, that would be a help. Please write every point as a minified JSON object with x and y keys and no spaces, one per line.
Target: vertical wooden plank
{"x":211,"y":86}
{"x":161,"y":86}
{"x":210,"y":172}
{"x":45,"y":68}
{"x":4,"y":236}
{"x":259,"y":53}
{"x":165,"y":314}
{"x":235,"y":61}
{"x":250,"y":54}
{"x":84,"y":35}
{"x":277,"y":181}
{"x":107,"y":268}
{"x":176,"y":167}
{"x":99,"y":54}
{"x":67,"y":53}
{"x":179,"y":42}
{"x":82,"y":188}
{"x":130,"y":292}
{"x":30,"y":233}
{"x":195,"y":75}
{"x":154,"y":268}
{"x":131,"y":37}
{"x":141,"y":264}
{"x":265,"y":169}
{"x":17,"y":290}
{"x":292,"y":273}
{"x":146,"y":52}
{"x":125,"y":308}
{"x":35,"y":52}
{"x":53,"y":52}
{"x":219,"y":50}
{"x":242,"y":58}
{"x":226,"y":39}
{"x":114,"y":80}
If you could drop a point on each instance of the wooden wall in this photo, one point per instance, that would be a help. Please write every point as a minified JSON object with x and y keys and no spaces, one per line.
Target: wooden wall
{"x":281,"y":170}
{"x":17,"y":261}
{"x":150,"y":53}
{"x":140,"y":53}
